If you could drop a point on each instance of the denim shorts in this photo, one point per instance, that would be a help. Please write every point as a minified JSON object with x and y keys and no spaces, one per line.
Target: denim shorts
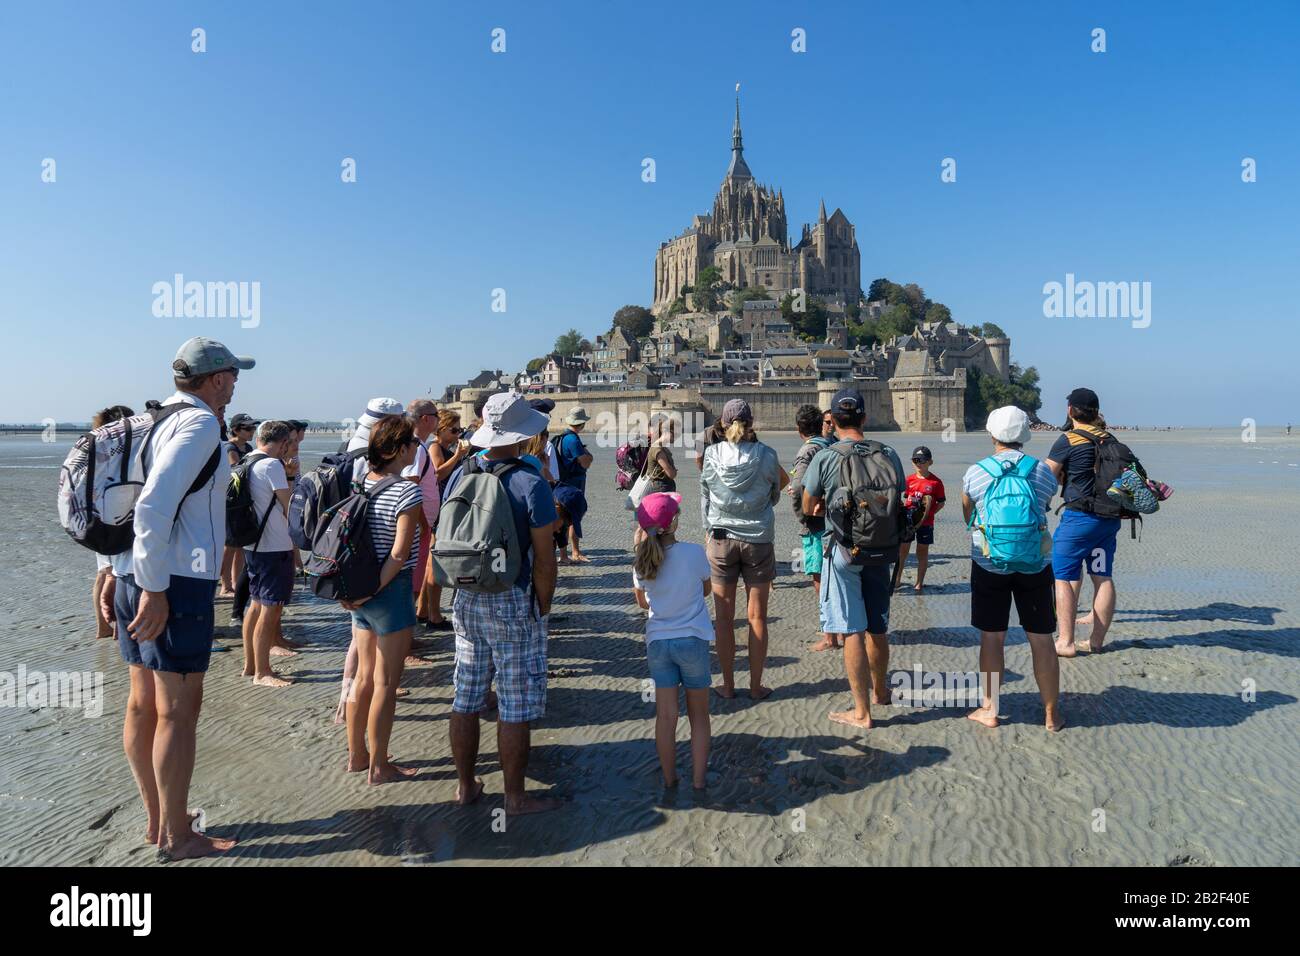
{"x":854,"y":598}
{"x":391,"y":610}
{"x":185,"y":646}
{"x":1083,"y":539}
{"x":270,"y":576}
{"x":679,"y":660}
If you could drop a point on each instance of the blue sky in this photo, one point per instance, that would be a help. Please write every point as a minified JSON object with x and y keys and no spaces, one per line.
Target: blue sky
{"x":522,"y":171}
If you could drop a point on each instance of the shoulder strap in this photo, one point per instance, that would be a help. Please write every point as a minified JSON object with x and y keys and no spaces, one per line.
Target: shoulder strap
{"x":1026,"y":465}
{"x":383,"y":483}
{"x":984,"y":463}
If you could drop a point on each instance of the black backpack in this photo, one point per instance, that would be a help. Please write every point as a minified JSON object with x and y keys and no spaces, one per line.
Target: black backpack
{"x":244,"y":526}
{"x":1112,"y":458}
{"x":569,"y":469}
{"x":865,"y":512}
{"x":343,"y":565}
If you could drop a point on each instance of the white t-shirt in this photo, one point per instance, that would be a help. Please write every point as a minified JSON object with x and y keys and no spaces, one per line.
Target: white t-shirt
{"x":676,"y":600}
{"x":428,"y":484}
{"x":266,"y":477}
{"x":552,"y":461}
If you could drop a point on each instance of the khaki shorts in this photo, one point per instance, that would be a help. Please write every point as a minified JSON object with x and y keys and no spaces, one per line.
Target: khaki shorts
{"x":730,"y":559}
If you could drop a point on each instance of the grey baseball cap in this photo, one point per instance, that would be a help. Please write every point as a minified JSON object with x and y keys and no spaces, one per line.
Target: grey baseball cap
{"x":200,"y":356}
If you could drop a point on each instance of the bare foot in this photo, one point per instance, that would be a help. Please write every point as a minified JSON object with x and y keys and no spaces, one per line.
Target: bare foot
{"x":1066,"y":650}
{"x":194,"y":845}
{"x":356,"y":764}
{"x":760,"y":693}
{"x":402,"y":692}
{"x":464,"y":798}
{"x":390,"y":773}
{"x":919,"y":588}
{"x":247,"y":672}
{"x":1085,"y":621}
{"x":1055,"y":722}
{"x":725,"y":693}
{"x":851,"y":718}
{"x":985,"y":716}
{"x":272,"y":680}
{"x":529,"y":804}
{"x":578,"y":559}
{"x":285,"y":642}
{"x":880,"y":700}
{"x":278,"y":651}
{"x":825,"y":644}
{"x":151,"y":828}
{"x":413,"y":660}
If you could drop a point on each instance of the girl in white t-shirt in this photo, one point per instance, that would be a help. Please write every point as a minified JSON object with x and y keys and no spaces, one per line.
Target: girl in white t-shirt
{"x":670,"y":579}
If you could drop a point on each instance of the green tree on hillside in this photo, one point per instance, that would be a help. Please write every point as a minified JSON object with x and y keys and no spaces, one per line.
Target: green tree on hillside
{"x":570,"y":343}
{"x":708,"y":289}
{"x":635,"y":320}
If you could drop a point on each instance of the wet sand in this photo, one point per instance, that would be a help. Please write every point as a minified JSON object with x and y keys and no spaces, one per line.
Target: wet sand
{"x":1157,"y":737}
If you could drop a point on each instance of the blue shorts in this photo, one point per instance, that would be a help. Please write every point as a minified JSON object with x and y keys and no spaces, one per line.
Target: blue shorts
{"x":854,"y":597}
{"x":270,"y":576}
{"x":185,"y":646}
{"x":1080,"y":539}
{"x":389,"y":611}
{"x":679,"y":660}
{"x":812,"y":553}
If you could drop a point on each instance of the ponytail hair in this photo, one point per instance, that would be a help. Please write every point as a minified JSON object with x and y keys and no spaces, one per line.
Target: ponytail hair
{"x":651,"y":551}
{"x":740,"y":431}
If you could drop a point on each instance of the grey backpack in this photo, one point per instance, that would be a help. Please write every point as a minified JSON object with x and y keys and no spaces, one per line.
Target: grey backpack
{"x":477,"y":547}
{"x":865,"y":512}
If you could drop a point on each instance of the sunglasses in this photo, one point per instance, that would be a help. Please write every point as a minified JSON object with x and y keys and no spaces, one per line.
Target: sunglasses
{"x":456,"y":430}
{"x":920,"y":461}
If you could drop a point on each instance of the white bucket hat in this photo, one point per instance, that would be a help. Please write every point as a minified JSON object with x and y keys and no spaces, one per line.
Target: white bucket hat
{"x":376,"y":409}
{"x":1009,"y":425}
{"x":507,"y":420}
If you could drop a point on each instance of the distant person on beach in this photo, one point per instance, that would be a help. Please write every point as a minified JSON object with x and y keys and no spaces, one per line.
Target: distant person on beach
{"x":855,"y":596}
{"x":382,"y":624}
{"x":742,"y":481}
{"x":1082,"y":537}
{"x":571,"y":487}
{"x":269,"y":560}
{"x":660,"y":469}
{"x":239,"y":443}
{"x":423,"y":414}
{"x":924,"y":493}
{"x":104,"y":620}
{"x":670,"y":579}
{"x":164,"y":604}
{"x":810,"y":421}
{"x":447,"y":450}
{"x":1002,"y":496}
{"x":502,"y":635}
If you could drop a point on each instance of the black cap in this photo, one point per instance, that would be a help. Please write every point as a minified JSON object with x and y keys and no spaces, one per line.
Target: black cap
{"x":1083,"y":398}
{"x":922,"y":453}
{"x":243,"y":421}
{"x":848,"y":400}
{"x":543,"y":405}
{"x":297,"y":424}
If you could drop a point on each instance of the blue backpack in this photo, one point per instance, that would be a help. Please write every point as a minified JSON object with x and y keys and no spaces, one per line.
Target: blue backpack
{"x":1009,"y":516}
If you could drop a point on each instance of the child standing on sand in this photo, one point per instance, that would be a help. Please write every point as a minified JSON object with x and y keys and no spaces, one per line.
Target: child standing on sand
{"x":670,"y":579}
{"x":926,"y":493}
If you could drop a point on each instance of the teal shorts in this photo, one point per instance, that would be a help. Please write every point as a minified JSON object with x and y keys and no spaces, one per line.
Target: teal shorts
{"x":812,"y":553}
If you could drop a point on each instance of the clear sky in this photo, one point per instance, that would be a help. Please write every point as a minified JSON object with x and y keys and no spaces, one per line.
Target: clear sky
{"x":522,"y":171}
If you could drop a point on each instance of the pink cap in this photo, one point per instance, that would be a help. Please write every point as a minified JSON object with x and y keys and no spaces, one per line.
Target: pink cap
{"x":658,"y":510}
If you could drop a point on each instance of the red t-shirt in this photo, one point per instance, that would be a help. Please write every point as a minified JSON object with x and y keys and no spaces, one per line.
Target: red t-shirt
{"x":932,"y":486}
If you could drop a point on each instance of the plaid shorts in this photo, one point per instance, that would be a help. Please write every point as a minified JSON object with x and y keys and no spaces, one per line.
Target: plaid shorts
{"x":499,"y":636}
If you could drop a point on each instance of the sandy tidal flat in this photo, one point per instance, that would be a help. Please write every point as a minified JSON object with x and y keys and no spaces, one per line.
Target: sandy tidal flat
{"x":1162,"y":761}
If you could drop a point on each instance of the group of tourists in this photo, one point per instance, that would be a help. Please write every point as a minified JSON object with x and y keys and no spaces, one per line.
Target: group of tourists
{"x":421,"y":504}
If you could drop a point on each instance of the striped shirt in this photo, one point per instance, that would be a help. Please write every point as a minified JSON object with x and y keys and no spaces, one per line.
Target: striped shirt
{"x":976,"y":483}
{"x":385,"y":507}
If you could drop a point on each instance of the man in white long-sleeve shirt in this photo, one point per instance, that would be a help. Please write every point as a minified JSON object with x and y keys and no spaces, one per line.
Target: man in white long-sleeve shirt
{"x":163,"y":606}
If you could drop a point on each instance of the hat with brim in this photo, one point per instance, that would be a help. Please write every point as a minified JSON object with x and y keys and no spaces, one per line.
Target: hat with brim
{"x":1009,"y":425}
{"x":508,"y":419}
{"x":577,"y":416}
{"x":203,"y":356}
{"x":376,"y":409}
